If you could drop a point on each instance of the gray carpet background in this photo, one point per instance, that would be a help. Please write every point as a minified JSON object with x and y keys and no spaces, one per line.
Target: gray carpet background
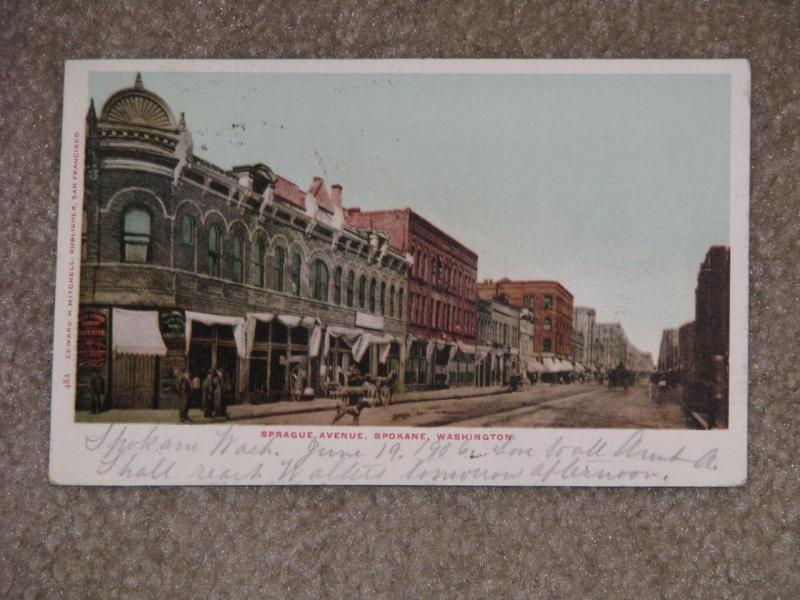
{"x":384,"y":542}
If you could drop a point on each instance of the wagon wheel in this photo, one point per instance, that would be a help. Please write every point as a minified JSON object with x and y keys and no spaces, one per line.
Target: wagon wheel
{"x":385,"y":395}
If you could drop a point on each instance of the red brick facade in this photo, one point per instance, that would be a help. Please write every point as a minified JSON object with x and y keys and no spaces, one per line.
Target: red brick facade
{"x":441,"y":283}
{"x":551,"y":304}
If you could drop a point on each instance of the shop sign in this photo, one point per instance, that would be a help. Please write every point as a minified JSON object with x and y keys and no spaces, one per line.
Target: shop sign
{"x":92,"y":338}
{"x":173,"y":329}
{"x":368,"y":321}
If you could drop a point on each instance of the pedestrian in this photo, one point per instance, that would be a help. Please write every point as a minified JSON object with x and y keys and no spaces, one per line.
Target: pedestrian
{"x":208,"y":394}
{"x":220,"y":393}
{"x":97,"y":388}
{"x":184,"y":396}
{"x":197,"y":392}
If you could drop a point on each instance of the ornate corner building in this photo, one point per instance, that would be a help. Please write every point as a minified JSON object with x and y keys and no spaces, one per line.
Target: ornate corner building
{"x":189,"y":266}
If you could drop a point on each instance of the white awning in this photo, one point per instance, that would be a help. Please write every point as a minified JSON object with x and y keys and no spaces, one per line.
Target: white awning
{"x":237,"y":323}
{"x":251,"y":322}
{"x":534,"y":366}
{"x":550,"y":365}
{"x":136,"y":332}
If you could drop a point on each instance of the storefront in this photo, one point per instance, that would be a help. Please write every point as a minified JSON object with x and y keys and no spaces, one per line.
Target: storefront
{"x":136,"y":349}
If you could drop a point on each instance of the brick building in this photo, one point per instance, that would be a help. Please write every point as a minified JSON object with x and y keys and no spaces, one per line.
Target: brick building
{"x":552,"y":305}
{"x":186,"y":265}
{"x":712,"y":327}
{"x":441,"y":309}
{"x":668,"y":352}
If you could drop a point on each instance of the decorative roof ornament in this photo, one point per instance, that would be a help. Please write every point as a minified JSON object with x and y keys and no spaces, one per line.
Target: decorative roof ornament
{"x":139,"y":106}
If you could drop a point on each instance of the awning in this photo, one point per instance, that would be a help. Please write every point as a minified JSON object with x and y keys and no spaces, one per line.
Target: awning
{"x":550,"y":365}
{"x":482,"y":352}
{"x":565,"y":365}
{"x":237,"y":323}
{"x":534,"y":366}
{"x":251,"y":322}
{"x":579,"y":369}
{"x":136,"y":332}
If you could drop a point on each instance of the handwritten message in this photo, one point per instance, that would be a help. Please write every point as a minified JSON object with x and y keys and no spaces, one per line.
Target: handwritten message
{"x":121,"y":454}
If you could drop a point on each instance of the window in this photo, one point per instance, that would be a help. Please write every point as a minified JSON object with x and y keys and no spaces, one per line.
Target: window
{"x":237,"y":256}
{"x":295,"y":273}
{"x":258,"y":263}
{"x":382,"y":304}
{"x":278,"y":266}
{"x":400,"y":304}
{"x":214,"y":243}
{"x":362,"y":292}
{"x":372,"y":288}
{"x":547,"y":345}
{"x":187,"y":243}
{"x":136,"y":236}
{"x":337,"y":285}
{"x":527,"y":301}
{"x":391,"y":300}
{"x":548,"y":302}
{"x":351,"y":282}
{"x":318,"y":281}
{"x":547,"y":324}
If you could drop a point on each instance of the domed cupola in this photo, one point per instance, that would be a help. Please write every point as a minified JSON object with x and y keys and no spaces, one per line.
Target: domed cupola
{"x":140,"y":107}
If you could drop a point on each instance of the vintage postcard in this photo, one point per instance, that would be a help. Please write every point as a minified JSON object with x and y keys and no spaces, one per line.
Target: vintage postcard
{"x":404,"y":272}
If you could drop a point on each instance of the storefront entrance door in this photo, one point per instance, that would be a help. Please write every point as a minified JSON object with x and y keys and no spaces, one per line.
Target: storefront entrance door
{"x":134,"y":383}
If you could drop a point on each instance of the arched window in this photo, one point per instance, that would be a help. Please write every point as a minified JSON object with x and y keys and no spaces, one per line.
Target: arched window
{"x":362,"y":292}
{"x":400,"y":303}
{"x":214,"y":250}
{"x":136,"y":236}
{"x":259,"y":258}
{"x":297,"y":263}
{"x":187,"y":243}
{"x":391,"y":300}
{"x":337,"y":285}
{"x":372,"y":289}
{"x":318,"y":281}
{"x":351,"y":282}
{"x":237,"y":259}
{"x":277,"y":269}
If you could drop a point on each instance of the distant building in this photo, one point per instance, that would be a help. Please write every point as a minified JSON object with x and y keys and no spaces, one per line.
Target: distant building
{"x":498,"y":339}
{"x":552,"y":304}
{"x":527,"y":333}
{"x":638,"y":361}
{"x":612,"y":347}
{"x":440,"y":305}
{"x":583,"y":322}
{"x":668,"y":351}
{"x":686,"y":354}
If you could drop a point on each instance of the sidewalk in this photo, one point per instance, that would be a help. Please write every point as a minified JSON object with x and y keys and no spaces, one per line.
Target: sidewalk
{"x":272,"y":409}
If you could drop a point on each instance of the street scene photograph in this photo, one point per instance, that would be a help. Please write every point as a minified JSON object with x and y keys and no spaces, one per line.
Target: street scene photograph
{"x":405,"y":250}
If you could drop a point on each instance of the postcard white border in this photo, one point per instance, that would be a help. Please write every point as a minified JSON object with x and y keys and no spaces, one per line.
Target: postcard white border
{"x":72,"y":463}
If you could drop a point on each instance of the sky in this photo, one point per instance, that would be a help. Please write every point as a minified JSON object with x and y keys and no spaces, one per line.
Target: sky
{"x":614,"y":185}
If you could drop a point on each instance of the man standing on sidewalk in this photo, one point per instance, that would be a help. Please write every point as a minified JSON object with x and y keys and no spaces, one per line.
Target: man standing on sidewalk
{"x":209,"y":383}
{"x":97,"y":388}
{"x":184,"y":396}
